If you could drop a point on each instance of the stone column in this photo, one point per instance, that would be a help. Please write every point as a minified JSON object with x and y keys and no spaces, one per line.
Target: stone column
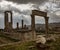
{"x":46,"y":24}
{"x":11,"y":19}
{"x":22,"y":24}
{"x":33,"y":26}
{"x":8,"y":25}
{"x":17,"y":25}
{"x":6,"y":21}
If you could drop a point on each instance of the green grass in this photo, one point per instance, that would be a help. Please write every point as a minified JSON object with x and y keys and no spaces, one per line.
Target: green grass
{"x":22,"y":46}
{"x":12,"y":39}
{"x":2,"y":34}
{"x":25,"y":46}
{"x":56,"y":44}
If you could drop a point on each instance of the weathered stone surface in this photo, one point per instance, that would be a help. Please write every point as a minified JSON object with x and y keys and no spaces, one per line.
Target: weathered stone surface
{"x":8,"y":24}
{"x":39,"y":13}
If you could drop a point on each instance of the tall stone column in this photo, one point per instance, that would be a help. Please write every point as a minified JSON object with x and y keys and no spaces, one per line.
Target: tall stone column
{"x":46,"y":24}
{"x":17,"y":25}
{"x":11,"y":19}
{"x":8,"y":25}
{"x":6,"y":21}
{"x":22,"y":24}
{"x":33,"y":26}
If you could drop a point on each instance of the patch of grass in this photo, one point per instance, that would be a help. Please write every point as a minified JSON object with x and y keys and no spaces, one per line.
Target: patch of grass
{"x":22,"y":46}
{"x":25,"y":46}
{"x":12,"y":39}
{"x":55,"y":45}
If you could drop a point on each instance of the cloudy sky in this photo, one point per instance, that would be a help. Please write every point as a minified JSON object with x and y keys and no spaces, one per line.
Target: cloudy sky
{"x":22,"y":10}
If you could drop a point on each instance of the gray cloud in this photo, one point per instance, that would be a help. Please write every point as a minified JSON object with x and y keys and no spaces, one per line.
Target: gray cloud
{"x":22,"y":14}
{"x":28,"y":1}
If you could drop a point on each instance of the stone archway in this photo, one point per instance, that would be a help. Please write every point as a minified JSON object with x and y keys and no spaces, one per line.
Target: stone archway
{"x":39,"y":13}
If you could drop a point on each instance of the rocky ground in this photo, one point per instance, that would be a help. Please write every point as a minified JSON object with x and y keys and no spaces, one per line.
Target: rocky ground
{"x":53,"y":40}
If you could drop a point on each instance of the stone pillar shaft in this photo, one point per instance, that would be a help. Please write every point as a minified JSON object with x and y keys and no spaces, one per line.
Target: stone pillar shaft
{"x":33,"y":26}
{"x":22,"y":24}
{"x":11,"y":19}
{"x":17,"y":25}
{"x":6,"y":20}
{"x":8,"y":25}
{"x":46,"y":24}
{"x":32,"y":22}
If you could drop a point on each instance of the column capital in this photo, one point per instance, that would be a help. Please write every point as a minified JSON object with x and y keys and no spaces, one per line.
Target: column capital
{"x":32,"y":15}
{"x":46,"y":18}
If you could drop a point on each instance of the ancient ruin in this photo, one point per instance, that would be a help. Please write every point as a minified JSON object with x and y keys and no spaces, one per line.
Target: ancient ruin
{"x":8,"y":24}
{"x":24,"y":32}
{"x":39,"y":13}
